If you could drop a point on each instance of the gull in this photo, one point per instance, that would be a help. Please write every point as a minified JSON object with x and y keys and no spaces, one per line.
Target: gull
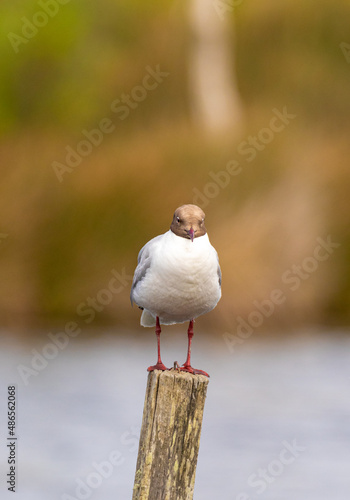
{"x":177,"y":278}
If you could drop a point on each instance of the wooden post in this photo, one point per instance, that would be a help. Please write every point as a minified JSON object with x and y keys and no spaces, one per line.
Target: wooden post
{"x":170,"y":434}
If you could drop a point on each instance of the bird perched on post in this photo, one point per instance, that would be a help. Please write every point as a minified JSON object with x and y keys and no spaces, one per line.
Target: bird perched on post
{"x":177,"y":278}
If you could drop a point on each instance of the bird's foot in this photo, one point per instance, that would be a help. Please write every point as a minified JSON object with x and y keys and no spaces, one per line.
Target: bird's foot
{"x":158,"y":366}
{"x":188,"y":368}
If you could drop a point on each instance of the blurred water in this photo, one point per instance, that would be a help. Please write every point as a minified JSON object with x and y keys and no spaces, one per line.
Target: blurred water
{"x":266,"y":398}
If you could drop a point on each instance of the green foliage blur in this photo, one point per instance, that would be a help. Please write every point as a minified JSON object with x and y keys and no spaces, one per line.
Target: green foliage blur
{"x":61,"y":238}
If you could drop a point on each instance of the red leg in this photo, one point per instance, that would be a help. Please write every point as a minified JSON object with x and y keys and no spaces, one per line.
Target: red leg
{"x":159,"y":365}
{"x":186,"y":367}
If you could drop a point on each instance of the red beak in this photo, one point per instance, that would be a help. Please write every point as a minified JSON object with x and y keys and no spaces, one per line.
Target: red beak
{"x":191,"y":234}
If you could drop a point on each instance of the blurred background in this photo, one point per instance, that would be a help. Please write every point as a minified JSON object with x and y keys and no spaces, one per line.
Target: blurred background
{"x":115,"y":113}
{"x":64,"y":231}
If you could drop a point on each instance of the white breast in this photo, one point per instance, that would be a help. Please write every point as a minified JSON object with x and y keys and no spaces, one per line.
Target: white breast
{"x":182,"y":282}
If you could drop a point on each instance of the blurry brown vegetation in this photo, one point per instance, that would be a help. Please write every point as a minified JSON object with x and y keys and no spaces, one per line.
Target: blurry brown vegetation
{"x":64,"y":239}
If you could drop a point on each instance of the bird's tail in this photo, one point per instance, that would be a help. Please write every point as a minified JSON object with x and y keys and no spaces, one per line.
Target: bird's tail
{"x":147,"y":319}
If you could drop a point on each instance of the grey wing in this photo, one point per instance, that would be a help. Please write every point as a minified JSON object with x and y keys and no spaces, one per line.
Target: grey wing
{"x":218,"y":269}
{"x":219,"y":274}
{"x":144,"y":261}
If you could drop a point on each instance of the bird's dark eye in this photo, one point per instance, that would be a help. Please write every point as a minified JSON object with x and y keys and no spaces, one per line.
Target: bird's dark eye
{"x":178,"y":220}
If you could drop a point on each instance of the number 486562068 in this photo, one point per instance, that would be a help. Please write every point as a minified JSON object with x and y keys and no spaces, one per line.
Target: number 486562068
{"x":11,"y":409}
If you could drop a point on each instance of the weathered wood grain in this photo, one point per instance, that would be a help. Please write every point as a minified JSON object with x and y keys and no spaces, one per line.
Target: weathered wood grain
{"x":170,"y":435}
